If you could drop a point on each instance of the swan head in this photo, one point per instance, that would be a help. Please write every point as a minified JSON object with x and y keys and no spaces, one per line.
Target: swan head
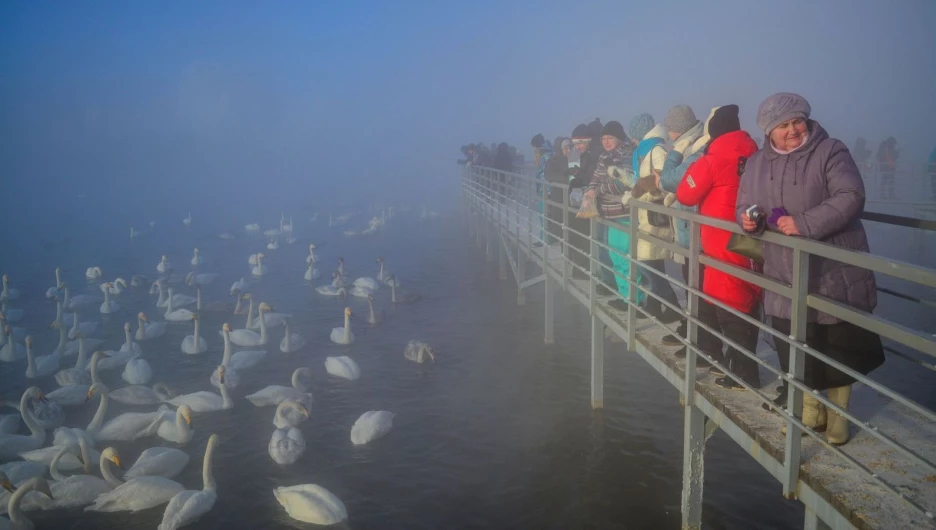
{"x":6,"y":278}
{"x":380,"y":259}
{"x":196,"y":251}
{"x":28,"y":340}
{"x":142,"y":316}
{"x":311,"y":246}
{"x":55,"y":325}
{"x":34,"y":392}
{"x":186,"y":412}
{"x":126,"y":326}
{"x":261,"y":255}
{"x":340,"y":261}
{"x":221,"y":371}
{"x":392,"y":277}
{"x":58,"y":270}
{"x":347,"y":312}
{"x":265,"y":307}
{"x":5,"y":482}
{"x":62,"y":285}
{"x":7,"y":330}
{"x":163,"y":258}
{"x":111,"y":454}
{"x":96,"y":388}
{"x":370,"y":297}
{"x":226,"y":327}
{"x":194,"y":316}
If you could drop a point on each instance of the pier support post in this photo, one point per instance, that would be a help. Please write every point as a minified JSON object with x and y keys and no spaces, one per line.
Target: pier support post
{"x":489,"y":252}
{"x":597,"y":362}
{"x":549,"y":302}
{"x":693,"y":466}
{"x":502,"y":263}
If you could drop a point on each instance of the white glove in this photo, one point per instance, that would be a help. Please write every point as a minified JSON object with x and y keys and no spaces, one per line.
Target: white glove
{"x":683,"y":144}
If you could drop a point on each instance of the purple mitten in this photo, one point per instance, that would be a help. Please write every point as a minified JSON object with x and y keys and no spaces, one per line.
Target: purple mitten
{"x":775,"y":215}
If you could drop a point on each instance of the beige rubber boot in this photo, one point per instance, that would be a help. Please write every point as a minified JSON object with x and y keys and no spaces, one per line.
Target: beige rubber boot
{"x":838,"y":431}
{"x":814,"y":414}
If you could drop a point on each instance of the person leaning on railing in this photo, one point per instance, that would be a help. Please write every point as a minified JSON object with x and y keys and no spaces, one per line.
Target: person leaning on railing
{"x":556,"y":172}
{"x":809,"y":185}
{"x":588,"y":149}
{"x":712,"y":184}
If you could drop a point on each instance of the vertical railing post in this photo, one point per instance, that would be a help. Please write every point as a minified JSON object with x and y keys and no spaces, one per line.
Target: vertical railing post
{"x":798,"y":320}
{"x":597,"y":361}
{"x":566,"y":253}
{"x":547,"y":280}
{"x":632,"y":290}
{"x":592,"y":268}
{"x":693,"y":418}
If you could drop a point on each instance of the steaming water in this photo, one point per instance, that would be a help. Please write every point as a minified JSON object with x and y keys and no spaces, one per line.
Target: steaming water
{"x":498,"y":434}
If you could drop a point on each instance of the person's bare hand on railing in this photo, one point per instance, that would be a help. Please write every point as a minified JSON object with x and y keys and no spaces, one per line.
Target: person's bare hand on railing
{"x":748,"y":224}
{"x":786,"y":226}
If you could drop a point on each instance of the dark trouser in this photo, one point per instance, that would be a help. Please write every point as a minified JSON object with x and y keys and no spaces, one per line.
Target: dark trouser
{"x":660,"y":287}
{"x":744,"y":334}
{"x":707,"y":342}
{"x":554,"y":224}
{"x":853,"y":346}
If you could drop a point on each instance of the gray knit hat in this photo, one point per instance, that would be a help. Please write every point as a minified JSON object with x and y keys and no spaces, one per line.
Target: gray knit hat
{"x":680,"y":119}
{"x":781,"y":107}
{"x":640,"y":125}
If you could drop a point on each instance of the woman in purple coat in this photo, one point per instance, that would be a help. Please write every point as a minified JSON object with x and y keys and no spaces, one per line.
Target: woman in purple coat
{"x":812,"y":186}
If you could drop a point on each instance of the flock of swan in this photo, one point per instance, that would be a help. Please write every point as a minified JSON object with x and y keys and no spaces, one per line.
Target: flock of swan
{"x":81,"y":466}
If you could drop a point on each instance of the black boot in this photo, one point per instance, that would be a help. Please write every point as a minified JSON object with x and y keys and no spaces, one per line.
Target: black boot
{"x":780,"y":401}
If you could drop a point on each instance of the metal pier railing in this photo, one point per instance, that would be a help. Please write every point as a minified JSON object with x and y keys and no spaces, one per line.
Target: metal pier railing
{"x":885,"y":477}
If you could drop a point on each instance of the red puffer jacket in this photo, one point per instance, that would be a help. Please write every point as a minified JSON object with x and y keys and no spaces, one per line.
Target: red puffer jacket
{"x":712,"y":183}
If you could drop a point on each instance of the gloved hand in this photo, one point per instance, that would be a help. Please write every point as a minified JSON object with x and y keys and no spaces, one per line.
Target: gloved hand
{"x":683,"y":144}
{"x":619,"y":173}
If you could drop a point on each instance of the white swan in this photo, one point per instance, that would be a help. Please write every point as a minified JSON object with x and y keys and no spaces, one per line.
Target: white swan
{"x":289,"y":414}
{"x":116,"y":287}
{"x":276,"y":394}
{"x":312,"y":257}
{"x":271,"y":318}
{"x":192,"y":279}
{"x":248,"y":337}
{"x":175,"y":426}
{"x":142,"y":395}
{"x":373,"y":318}
{"x":80,"y":300}
{"x":18,"y":520}
{"x":204,"y":401}
{"x":259,"y":269}
{"x":311,"y":503}
{"x":129,"y":345}
{"x":177,"y":315}
{"x":188,"y":220}
{"x":235,"y":363}
{"x":55,"y":290}
{"x":116,"y":359}
{"x":371,"y":425}
{"x":367,"y":283}
{"x":70,"y":435}
{"x":335,"y":288}
{"x":226,"y":235}
{"x":76,"y":490}
{"x":11,"y":350}
{"x":189,"y":505}
{"x":195,"y":343}
{"x":135,"y":494}
{"x":311,"y":272}
{"x":137,"y":372}
{"x":11,"y":445}
{"x":78,"y":374}
{"x":129,"y":425}
{"x":158,"y":462}
{"x":138,"y":280}
{"x":291,"y":341}
{"x":360,"y":292}
{"x":383,"y":275}
{"x":239,"y":286}
{"x":75,"y":392}
{"x":86,"y":328}
{"x":147,"y":330}
{"x":70,"y":461}
{"x":343,"y":367}
{"x":252,"y":227}
{"x":93,"y":274}
{"x":273,"y":244}
{"x":287,"y":444}
{"x":196,"y":259}
{"x":418,"y":352}
{"x":164,"y":267}
{"x":343,"y":335}
{"x":39,"y":366}
{"x":108,"y":306}
{"x":399,"y":296}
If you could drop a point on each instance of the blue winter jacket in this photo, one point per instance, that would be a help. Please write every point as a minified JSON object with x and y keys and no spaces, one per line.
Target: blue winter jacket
{"x":674,"y":169}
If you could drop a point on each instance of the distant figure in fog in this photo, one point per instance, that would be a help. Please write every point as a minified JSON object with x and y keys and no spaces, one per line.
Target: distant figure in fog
{"x":862,"y":155}
{"x":588,"y":151}
{"x":503,"y":161}
{"x":556,"y":172}
{"x":887,"y":163}
{"x":809,"y":186}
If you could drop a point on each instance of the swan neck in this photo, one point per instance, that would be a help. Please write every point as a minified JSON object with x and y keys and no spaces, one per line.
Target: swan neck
{"x":250,"y":313}
{"x":36,"y":431}
{"x":393,"y":292}
{"x":196,"y":333}
{"x":162,"y":392}
{"x":58,"y":312}
{"x":207,"y":477}
{"x":65,"y":298}
{"x":263,"y":330}
{"x":30,"y":362}
{"x":226,"y":358}
{"x":61,"y":344}
{"x":75,"y":323}
{"x":58,"y":277}
{"x":347,"y":328}
{"x":17,"y":517}
{"x":98,"y":418}
{"x":370,"y":304}
{"x":286,"y":338}
{"x":94,"y":369}
{"x":226,"y":402}
{"x":162,"y":294}
{"x":82,"y":359}
{"x":198,"y":298}
{"x":128,"y":340}
{"x":54,"y":471}
{"x":107,"y":473}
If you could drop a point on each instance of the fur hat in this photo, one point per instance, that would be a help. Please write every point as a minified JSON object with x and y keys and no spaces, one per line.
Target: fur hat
{"x":781,"y":107}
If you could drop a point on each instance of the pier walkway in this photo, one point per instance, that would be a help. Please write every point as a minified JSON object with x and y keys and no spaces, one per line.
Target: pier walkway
{"x":885,"y":477}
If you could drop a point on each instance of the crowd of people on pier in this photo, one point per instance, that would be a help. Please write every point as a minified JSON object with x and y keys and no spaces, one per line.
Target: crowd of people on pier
{"x":798,"y":181}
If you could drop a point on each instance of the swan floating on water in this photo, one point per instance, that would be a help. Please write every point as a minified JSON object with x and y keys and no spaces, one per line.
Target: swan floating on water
{"x":252,"y":227}
{"x":399,"y":296}
{"x":137,"y":372}
{"x":371,"y":426}
{"x":204,"y":401}
{"x":135,"y":494}
{"x":188,"y":220}
{"x":18,"y":520}
{"x":239,"y":286}
{"x":343,"y":367}
{"x":343,"y":335}
{"x":189,"y":505}
{"x":93,"y":274}
{"x":108,"y":306}
{"x":164,"y":267}
{"x":11,"y":445}
{"x":273,"y":244}
{"x":196,"y":259}
{"x":234,"y":364}
{"x":116,"y":287}
{"x":75,"y":381}
{"x":55,"y":290}
{"x":418,"y":352}
{"x":195,"y":343}
{"x":259,"y":269}
{"x":158,"y":462}
{"x":11,"y":350}
{"x":142,"y":395}
{"x":276,"y":394}
{"x":39,"y":366}
{"x":177,"y":315}
{"x":147,"y":330}
{"x":192,"y":279}
{"x":311,"y":503}
{"x":249,"y":337}
{"x":291,"y":341}
{"x":373,"y":318}
{"x":287,"y":444}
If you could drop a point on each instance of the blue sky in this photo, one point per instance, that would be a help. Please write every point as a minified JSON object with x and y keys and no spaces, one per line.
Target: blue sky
{"x":315,"y":98}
